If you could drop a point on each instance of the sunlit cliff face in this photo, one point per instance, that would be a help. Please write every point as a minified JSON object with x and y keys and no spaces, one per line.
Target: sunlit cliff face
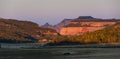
{"x":83,"y":27}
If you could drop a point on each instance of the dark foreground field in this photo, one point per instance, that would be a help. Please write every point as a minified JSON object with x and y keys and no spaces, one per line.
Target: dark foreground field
{"x":59,"y":53}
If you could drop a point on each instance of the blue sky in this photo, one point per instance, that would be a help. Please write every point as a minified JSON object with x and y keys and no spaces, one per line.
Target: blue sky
{"x":54,"y":11}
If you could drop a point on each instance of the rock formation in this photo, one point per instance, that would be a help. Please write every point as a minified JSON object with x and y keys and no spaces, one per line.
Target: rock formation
{"x":85,"y":24}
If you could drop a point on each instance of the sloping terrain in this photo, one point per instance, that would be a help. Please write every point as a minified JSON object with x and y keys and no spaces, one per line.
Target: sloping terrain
{"x":21,"y":31}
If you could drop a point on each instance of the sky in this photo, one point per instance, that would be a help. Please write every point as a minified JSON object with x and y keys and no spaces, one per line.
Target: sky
{"x":54,"y":11}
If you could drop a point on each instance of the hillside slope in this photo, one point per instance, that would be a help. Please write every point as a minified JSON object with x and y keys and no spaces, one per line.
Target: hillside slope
{"x":21,"y":31}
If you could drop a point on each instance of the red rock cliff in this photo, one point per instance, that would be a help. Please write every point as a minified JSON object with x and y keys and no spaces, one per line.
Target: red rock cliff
{"x":80,"y":27}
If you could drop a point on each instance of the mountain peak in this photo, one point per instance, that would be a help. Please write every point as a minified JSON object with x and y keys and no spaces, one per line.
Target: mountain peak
{"x":47,"y":25}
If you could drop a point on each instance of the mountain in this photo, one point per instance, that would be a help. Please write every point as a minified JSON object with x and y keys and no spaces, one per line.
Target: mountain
{"x":84,"y":24}
{"x":109,"y":35}
{"x":14,"y":31}
{"x":47,"y":25}
{"x":65,"y":22}
{"x":62,"y":24}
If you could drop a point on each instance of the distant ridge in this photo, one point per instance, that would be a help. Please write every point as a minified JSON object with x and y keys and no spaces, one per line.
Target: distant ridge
{"x":47,"y":25}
